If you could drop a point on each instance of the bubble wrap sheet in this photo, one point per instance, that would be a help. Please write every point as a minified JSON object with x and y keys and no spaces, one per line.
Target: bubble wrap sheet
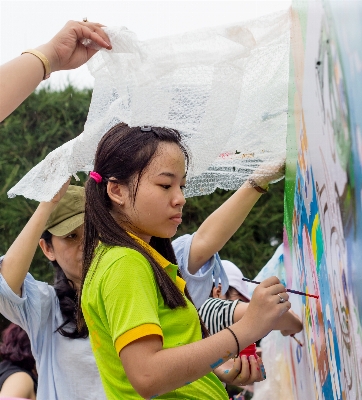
{"x":225,"y":89}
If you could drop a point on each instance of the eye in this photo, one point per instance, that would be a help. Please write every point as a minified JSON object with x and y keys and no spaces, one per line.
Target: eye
{"x":166,"y":186}
{"x":183,"y":187}
{"x":72,"y":236}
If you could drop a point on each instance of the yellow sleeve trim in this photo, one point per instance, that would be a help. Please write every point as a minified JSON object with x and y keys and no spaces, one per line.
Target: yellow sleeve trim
{"x":136,"y":333}
{"x":180,"y":283}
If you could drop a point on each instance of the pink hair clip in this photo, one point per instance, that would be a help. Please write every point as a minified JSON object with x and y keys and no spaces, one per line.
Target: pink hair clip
{"x":96,"y":176}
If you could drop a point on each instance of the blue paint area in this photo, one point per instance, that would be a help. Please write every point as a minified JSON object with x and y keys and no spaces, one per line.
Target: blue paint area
{"x":322,"y":328}
{"x":226,"y":371}
{"x":217,"y":363}
{"x":153,"y":397}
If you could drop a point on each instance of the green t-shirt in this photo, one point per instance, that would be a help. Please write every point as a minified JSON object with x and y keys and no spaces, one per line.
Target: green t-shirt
{"x":121,"y":302}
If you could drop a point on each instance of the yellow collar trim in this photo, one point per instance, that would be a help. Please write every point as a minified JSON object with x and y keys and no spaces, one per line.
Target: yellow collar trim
{"x":170,"y":268}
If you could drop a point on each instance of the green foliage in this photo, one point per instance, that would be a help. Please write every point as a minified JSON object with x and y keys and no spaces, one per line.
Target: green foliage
{"x":42,"y":123}
{"x":48,"y":119}
{"x":250,"y":248}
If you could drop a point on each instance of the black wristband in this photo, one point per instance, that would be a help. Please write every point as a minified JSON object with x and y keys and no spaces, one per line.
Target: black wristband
{"x":236,"y":339}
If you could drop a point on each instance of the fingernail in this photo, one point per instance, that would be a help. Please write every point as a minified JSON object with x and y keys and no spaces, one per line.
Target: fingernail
{"x":263,"y":371}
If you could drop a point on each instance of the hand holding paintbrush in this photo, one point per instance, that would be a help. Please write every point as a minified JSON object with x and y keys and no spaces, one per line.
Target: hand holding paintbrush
{"x":288,"y":290}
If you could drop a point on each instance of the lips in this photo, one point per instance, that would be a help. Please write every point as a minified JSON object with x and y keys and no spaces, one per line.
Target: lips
{"x":177,"y":218}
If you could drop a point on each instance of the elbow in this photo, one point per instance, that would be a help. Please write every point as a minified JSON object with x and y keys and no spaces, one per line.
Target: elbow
{"x":146,"y":386}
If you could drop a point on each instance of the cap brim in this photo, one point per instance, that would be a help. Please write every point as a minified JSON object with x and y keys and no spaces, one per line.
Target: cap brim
{"x":67,"y":226}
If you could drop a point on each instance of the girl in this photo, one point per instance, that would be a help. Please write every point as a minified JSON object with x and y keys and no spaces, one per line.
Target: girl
{"x":145,"y":331}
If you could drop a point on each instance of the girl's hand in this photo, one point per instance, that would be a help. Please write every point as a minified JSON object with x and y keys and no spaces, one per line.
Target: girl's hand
{"x":61,"y":192}
{"x":240,"y":371}
{"x":266,"y":307}
{"x":65,"y":50}
{"x":268,"y":173}
{"x":294,"y":327}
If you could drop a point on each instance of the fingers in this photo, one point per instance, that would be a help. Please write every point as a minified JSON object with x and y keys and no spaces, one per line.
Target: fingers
{"x":251,"y":371}
{"x":273,"y":280}
{"x":282,"y":297}
{"x":229,"y":371}
{"x":94,"y":32}
{"x":61,"y":192}
{"x":234,"y":371}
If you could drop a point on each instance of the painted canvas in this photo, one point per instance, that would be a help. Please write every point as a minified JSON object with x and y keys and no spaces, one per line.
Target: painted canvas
{"x":323,"y":207}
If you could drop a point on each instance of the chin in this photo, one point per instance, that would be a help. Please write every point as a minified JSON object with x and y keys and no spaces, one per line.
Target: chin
{"x":165,"y":235}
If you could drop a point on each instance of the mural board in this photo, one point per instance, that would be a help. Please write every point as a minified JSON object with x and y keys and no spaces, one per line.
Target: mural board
{"x":323,"y":206}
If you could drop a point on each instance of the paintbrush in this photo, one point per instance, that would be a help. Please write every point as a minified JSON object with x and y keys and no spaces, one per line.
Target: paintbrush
{"x":300,"y":344}
{"x":288,"y":290}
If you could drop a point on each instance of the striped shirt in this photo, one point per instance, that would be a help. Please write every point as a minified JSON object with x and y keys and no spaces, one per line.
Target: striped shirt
{"x":217,"y":314}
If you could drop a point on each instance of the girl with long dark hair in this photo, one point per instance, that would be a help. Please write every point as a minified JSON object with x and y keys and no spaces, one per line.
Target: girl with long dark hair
{"x":145,"y":332}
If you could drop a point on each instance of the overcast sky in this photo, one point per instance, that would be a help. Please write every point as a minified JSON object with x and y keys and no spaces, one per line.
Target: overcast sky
{"x":27,"y":24}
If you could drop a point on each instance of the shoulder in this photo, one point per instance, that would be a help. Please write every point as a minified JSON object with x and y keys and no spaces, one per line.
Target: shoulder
{"x":113,"y":257}
{"x":114,"y":265}
{"x":20,"y":383}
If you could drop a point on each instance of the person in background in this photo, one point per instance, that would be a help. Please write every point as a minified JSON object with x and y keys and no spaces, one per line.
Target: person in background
{"x":222,"y":310}
{"x":18,"y":376}
{"x":36,"y":305}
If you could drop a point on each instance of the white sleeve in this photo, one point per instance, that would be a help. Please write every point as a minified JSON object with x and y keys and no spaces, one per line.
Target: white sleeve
{"x":30,"y":311}
{"x":200,"y":284}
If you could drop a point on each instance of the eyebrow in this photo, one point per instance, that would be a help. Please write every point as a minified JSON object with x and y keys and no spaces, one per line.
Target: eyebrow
{"x":170,"y":174}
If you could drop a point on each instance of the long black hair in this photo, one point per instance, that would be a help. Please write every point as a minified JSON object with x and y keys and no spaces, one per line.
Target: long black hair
{"x":68,"y":299}
{"x":123,"y":154}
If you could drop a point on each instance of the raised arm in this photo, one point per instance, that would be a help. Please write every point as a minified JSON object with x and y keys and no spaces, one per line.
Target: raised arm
{"x":18,"y":258}
{"x":20,"y":76}
{"x":218,"y":228}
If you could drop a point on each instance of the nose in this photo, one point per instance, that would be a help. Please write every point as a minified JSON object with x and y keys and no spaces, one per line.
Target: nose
{"x":179,"y":199}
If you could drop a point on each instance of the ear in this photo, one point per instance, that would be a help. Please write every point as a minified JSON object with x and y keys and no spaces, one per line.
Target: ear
{"x":117,"y":193}
{"x":47,"y":250}
{"x":216,"y":292}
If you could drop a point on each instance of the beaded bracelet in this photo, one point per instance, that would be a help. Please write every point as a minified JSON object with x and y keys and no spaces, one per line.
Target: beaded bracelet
{"x":236,"y":339}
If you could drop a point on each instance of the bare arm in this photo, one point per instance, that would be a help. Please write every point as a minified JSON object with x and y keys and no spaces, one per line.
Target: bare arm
{"x":18,"y":258}
{"x":218,"y":228}
{"x":20,"y":76}
{"x":19,"y":385}
{"x":192,"y":361}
